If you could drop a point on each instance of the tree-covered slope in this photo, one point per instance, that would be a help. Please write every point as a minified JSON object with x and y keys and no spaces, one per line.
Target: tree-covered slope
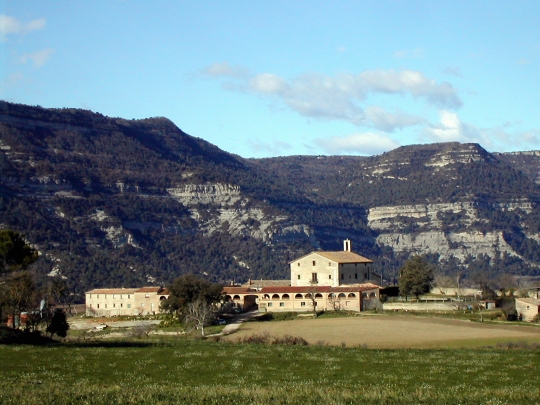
{"x":111,"y":202}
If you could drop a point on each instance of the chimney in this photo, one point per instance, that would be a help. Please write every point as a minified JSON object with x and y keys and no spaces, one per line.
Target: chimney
{"x":347,"y":245}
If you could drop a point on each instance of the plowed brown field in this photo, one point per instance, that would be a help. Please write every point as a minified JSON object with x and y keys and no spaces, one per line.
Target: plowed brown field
{"x":394,"y":332}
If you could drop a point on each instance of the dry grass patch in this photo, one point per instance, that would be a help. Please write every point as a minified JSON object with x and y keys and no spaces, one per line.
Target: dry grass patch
{"x":393,"y":332}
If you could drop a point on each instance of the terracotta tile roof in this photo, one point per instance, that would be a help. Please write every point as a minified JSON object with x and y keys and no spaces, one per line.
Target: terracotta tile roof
{"x":238,"y":290}
{"x":158,"y":290}
{"x":326,"y":289}
{"x":293,"y":289}
{"x":340,"y":257}
{"x":112,"y":291}
{"x":266,"y":283}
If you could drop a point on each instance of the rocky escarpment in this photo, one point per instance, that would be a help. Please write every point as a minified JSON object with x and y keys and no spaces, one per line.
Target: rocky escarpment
{"x":237,"y":214}
{"x":114,"y":202}
{"x":448,"y":229}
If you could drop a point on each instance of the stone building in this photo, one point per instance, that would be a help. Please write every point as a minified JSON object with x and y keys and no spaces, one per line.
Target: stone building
{"x":125,"y":301}
{"x":325,"y":280}
{"x":333,"y":269}
{"x":528,"y":309}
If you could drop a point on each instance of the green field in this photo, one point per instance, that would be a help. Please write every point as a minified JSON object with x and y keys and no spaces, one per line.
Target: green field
{"x":204,"y":372}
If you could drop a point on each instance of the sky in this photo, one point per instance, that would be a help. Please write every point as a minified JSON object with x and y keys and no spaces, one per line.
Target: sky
{"x":274,"y":78}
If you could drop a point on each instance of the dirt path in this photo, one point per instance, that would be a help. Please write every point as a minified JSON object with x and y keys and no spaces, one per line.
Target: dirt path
{"x":394,"y":331}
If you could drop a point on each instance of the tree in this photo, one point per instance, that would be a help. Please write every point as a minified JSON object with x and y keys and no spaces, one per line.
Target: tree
{"x":443,"y":282}
{"x":19,"y":294}
{"x":188,"y":289}
{"x":58,"y":324}
{"x":15,"y":254}
{"x":415,"y":277}
{"x":199,"y":314}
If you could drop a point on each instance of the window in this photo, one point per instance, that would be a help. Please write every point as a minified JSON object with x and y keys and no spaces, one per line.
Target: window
{"x":146,"y":295}
{"x":298,"y":264}
{"x":302,"y":304}
{"x":355,"y":276}
{"x":129,"y":297}
{"x":281,"y":304}
{"x":355,"y":264}
{"x":313,"y":277}
{"x":299,"y":277}
{"x":114,"y":305}
{"x":298,"y":296}
{"x":121,"y":305}
{"x":342,"y":276}
{"x":347,"y":303}
{"x":329,"y":277}
{"x":142,"y":305}
{"x":314,"y":262}
{"x":97,"y":296}
{"x":129,"y":305}
{"x":98,"y":306}
{"x":114,"y":295}
{"x":365,"y":275}
{"x":90,"y":306}
{"x":270,"y":304}
{"x":90,"y":295}
{"x":105,"y":305}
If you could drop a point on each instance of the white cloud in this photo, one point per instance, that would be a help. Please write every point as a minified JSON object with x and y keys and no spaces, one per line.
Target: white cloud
{"x":38,"y":58}
{"x":454,"y":71}
{"x":450,"y":129}
{"x":274,"y":148}
{"x":224,"y":69}
{"x":341,"y":97}
{"x":381,"y":119}
{"x":268,"y":83}
{"x":367,"y":143}
{"x":10,"y":25}
{"x":416,"y":53}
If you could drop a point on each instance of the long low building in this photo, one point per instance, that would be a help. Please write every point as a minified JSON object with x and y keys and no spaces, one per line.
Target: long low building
{"x":303,"y":299}
{"x":109,"y":302}
{"x":528,"y":309}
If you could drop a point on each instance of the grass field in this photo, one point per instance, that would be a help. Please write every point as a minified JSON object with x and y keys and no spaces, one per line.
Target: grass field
{"x":395,"y":331}
{"x":183,"y":371}
{"x":336,"y":368}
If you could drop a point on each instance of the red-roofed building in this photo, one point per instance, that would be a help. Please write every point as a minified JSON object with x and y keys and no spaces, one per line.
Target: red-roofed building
{"x":326,"y":280}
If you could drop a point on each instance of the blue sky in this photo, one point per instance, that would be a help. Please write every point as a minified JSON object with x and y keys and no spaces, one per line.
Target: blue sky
{"x":273,"y":78}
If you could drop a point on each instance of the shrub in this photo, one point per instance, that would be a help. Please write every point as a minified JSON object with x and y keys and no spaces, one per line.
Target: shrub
{"x":265,"y":339}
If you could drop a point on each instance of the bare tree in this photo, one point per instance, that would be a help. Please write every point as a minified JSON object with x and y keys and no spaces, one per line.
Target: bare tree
{"x":19,"y":294}
{"x":334,"y":302}
{"x":312,"y":295}
{"x":443,"y":282}
{"x":199,"y":314}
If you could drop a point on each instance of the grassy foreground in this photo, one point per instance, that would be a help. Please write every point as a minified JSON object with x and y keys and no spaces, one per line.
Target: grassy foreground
{"x":202,"y":372}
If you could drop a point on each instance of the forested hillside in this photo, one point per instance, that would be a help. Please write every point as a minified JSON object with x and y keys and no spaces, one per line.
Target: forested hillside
{"x":115,"y":202}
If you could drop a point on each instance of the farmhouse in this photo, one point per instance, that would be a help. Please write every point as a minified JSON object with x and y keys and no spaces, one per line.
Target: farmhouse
{"x":319,"y":280}
{"x":125,"y":301}
{"x":528,"y":309}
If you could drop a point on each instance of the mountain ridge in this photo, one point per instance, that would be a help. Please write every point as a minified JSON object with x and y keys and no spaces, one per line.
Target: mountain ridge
{"x":113,"y":202}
